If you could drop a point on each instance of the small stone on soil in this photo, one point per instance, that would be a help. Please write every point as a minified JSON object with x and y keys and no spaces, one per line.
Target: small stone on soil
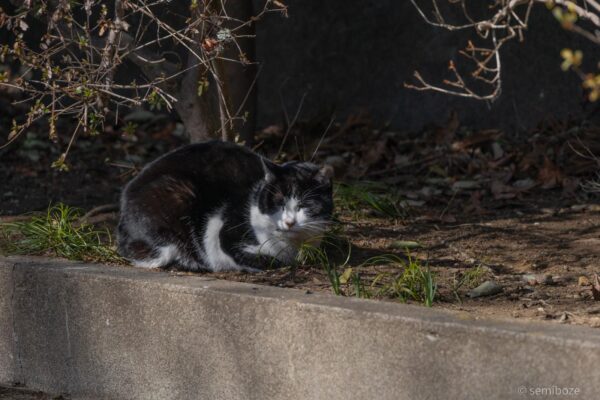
{"x":404,"y":244}
{"x":487,"y":288}
{"x":541,"y":279}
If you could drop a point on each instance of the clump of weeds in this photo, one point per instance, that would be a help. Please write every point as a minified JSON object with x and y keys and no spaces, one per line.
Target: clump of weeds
{"x":374,"y":198}
{"x":414,"y":282}
{"x":470,"y":278}
{"x":331,"y":255}
{"x":59,"y":232}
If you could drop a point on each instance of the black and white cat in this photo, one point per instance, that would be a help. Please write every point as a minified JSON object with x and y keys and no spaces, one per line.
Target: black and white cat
{"x":218,"y":206}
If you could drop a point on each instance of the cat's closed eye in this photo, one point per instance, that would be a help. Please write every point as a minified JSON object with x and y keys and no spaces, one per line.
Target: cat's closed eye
{"x":279,"y":199}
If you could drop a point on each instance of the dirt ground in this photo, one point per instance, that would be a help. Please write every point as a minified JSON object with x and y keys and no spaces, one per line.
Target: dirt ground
{"x":513,"y":210}
{"x":555,"y":244}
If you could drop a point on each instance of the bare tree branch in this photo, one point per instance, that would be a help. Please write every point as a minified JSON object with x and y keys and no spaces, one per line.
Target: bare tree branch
{"x":507,"y":20}
{"x":180,"y":46}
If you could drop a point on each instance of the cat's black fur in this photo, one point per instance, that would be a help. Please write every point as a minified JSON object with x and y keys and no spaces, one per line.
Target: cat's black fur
{"x":220,"y":206}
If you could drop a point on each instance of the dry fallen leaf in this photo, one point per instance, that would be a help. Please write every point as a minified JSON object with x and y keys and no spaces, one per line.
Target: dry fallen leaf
{"x":583,"y":281}
{"x":477,"y":139}
{"x":502,"y":191}
{"x":445,"y":134}
{"x":570,"y":186}
{"x":345,"y":277}
{"x":374,"y":154}
{"x":550,"y":175}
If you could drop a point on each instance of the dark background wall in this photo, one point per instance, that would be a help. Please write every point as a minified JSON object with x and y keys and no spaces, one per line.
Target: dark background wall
{"x":352,"y":55}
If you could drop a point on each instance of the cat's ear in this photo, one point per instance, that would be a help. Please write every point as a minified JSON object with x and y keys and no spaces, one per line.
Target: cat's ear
{"x":268,"y":169}
{"x":325,"y":174}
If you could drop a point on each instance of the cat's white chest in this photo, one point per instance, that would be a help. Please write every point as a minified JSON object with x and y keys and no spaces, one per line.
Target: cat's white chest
{"x":270,"y":243}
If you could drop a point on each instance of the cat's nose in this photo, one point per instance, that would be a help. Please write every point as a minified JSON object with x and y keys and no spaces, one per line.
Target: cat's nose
{"x":289,"y":223}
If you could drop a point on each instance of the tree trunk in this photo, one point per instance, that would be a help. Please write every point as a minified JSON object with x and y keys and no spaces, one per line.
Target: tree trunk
{"x":202,"y":115}
{"x":241,"y":79}
{"x":199,"y":114}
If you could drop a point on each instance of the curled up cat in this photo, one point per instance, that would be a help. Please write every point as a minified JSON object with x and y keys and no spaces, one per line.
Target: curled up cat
{"x":219,"y":206}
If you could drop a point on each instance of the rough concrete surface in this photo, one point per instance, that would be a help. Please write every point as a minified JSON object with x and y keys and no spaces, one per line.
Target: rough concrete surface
{"x":16,"y":393}
{"x":95,"y":331}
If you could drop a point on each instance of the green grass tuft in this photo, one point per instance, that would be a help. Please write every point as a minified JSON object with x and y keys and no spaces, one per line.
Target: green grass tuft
{"x":369,"y":196}
{"x":470,"y":278}
{"x":414,"y":282}
{"x":59,"y":232}
{"x":331,"y":243}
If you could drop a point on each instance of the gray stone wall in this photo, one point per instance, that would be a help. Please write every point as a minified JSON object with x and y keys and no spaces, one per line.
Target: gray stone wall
{"x":353,"y":55}
{"x":101,"y":332}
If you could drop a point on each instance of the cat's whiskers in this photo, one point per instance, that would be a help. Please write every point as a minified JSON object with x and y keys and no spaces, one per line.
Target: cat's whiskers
{"x":309,"y":193}
{"x":237,"y":226}
{"x":318,"y":224}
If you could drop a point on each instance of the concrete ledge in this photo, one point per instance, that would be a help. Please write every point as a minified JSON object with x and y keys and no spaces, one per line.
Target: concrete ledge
{"x":102,"y":332}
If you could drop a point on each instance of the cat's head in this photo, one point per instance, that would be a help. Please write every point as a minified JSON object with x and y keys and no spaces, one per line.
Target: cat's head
{"x":296,"y":197}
